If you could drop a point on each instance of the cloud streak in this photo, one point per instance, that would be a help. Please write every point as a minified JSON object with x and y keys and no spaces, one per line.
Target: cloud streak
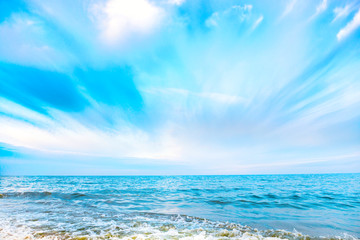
{"x":341,"y":12}
{"x":350,"y":27}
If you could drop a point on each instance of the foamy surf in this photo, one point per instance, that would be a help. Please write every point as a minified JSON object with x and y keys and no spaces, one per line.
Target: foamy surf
{"x":151,"y":227}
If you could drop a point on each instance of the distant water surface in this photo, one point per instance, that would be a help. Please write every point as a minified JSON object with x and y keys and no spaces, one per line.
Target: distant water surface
{"x":181,"y":207}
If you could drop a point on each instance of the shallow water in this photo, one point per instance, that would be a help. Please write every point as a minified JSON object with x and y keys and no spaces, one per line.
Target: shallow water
{"x":181,"y":207}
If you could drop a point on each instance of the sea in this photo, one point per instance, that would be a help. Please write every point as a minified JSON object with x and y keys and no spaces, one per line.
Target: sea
{"x":251,"y":207}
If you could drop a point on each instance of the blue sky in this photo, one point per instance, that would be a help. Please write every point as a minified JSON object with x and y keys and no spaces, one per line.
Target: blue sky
{"x":116,"y":87}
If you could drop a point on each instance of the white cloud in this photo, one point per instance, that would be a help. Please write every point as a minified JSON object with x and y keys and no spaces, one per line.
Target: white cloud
{"x":221,"y":98}
{"x":289,"y":7}
{"x":18,"y":111}
{"x":72,"y":137}
{"x":321,"y":7}
{"x":236,"y":13}
{"x":212,"y":21}
{"x":350,"y":27}
{"x":176,"y":2}
{"x":119,"y":19}
{"x":24,"y":40}
{"x":257,"y":22}
{"x":341,"y":12}
{"x":212,"y":96}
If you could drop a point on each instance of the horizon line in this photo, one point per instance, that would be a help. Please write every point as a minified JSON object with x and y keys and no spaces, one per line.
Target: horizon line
{"x":175,"y":175}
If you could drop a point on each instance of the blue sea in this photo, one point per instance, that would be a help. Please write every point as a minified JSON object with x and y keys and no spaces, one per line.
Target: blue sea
{"x":249,"y":207}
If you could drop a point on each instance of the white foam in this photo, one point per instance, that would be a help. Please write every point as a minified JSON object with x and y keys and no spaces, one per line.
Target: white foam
{"x":149,"y":227}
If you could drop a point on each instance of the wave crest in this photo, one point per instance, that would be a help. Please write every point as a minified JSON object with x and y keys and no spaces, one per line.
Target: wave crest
{"x":152,"y":226}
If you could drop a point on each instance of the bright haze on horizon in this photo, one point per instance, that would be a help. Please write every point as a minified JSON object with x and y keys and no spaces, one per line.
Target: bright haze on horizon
{"x":117,"y":87}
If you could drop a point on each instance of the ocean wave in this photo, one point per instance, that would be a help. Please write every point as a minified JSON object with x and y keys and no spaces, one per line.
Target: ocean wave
{"x":44,"y":194}
{"x":110,"y":207}
{"x":155,"y":226}
{"x":269,"y":200}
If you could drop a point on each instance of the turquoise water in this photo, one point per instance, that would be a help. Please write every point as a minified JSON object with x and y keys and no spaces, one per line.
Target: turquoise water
{"x":181,"y":207}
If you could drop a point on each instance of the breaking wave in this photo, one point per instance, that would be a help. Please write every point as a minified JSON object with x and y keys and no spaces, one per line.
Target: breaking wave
{"x":154,"y":226}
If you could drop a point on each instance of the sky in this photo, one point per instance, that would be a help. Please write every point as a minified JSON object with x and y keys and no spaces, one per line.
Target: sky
{"x":142,"y":87}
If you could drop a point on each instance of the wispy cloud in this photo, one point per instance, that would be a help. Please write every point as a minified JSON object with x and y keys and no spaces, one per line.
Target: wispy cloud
{"x":257,"y":22}
{"x":342,"y":12}
{"x":288,"y":8}
{"x":23,"y":37}
{"x":176,"y":2}
{"x":213,"y":96}
{"x":321,"y":7}
{"x":350,"y":27}
{"x":236,"y":14}
{"x":72,"y":137}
